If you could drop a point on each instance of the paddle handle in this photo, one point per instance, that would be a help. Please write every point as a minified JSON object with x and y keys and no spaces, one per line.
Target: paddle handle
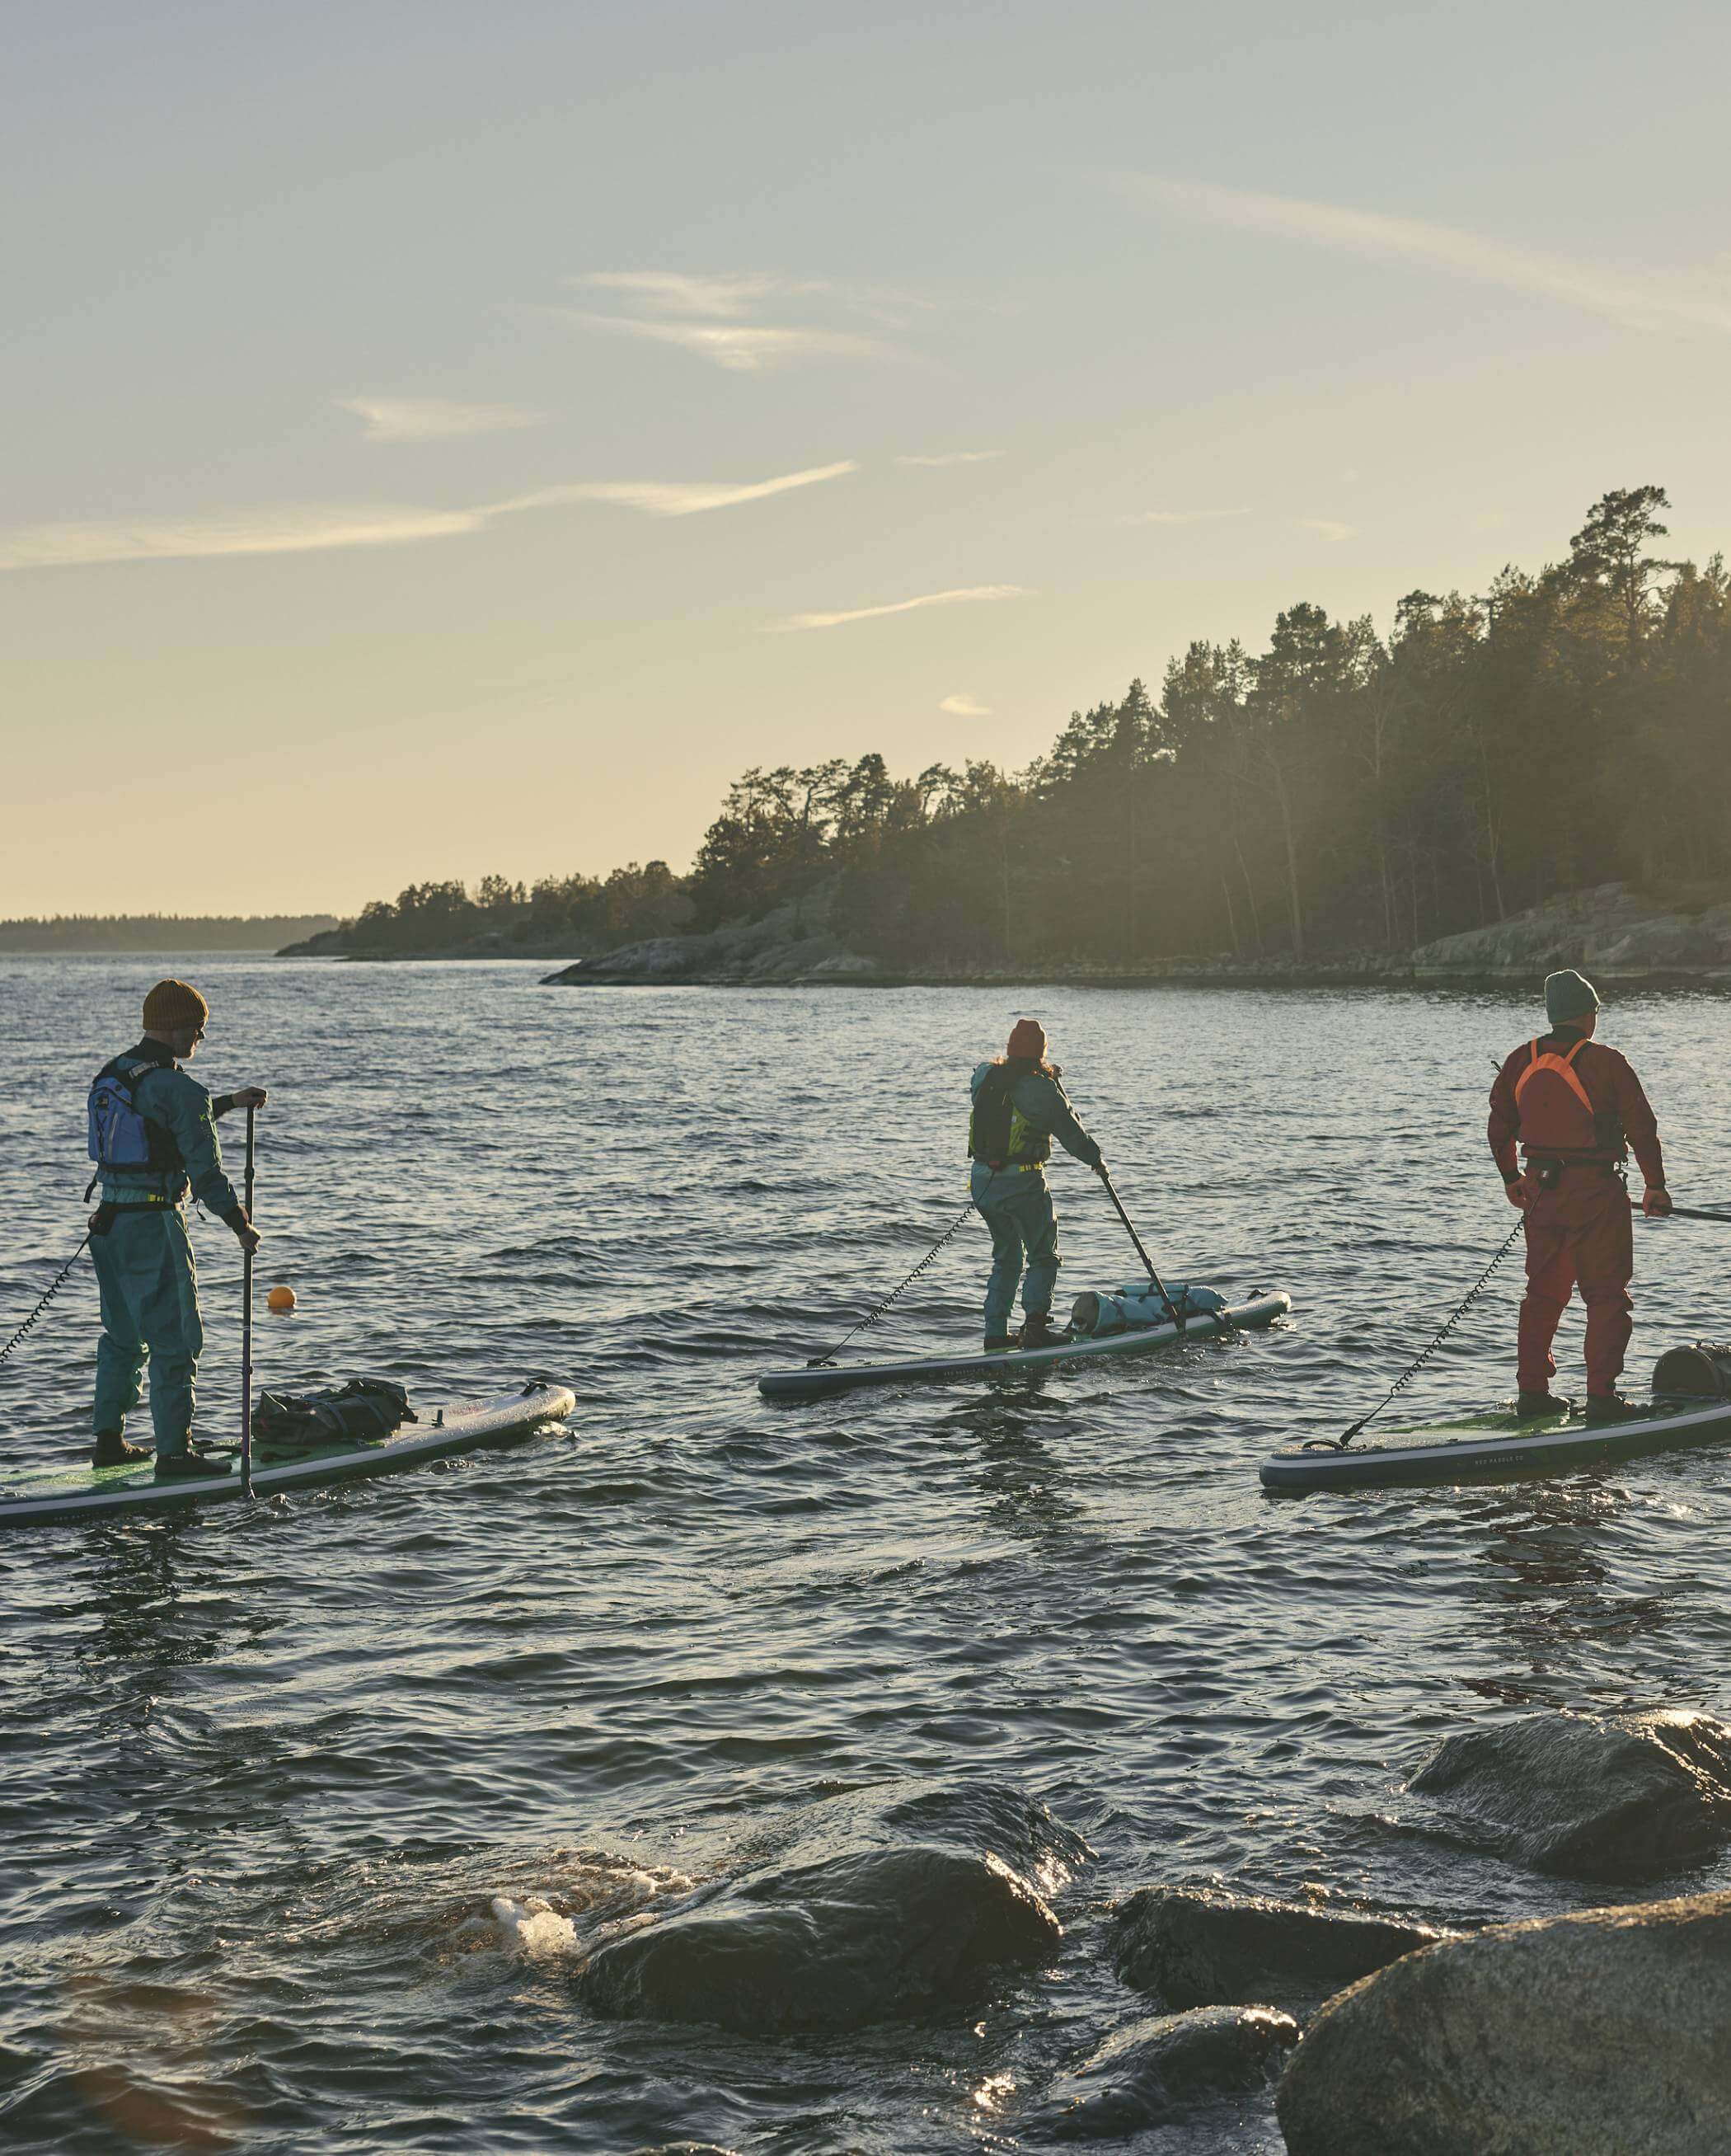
{"x":1159,"y":1287}
{"x":246,"y":1325}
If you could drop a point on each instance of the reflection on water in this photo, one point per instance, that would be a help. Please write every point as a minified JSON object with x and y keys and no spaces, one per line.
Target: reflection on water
{"x":265,"y":1775}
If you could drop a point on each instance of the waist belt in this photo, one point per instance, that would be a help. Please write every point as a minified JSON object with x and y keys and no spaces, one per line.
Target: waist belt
{"x":120,"y":1199}
{"x":1554,"y":1163}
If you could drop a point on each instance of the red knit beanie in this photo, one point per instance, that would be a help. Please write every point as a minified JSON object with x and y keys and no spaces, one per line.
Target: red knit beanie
{"x":1027,"y":1037}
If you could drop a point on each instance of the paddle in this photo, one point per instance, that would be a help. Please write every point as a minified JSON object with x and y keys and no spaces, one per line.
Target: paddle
{"x":1684,"y":1213}
{"x":1172,"y":1309}
{"x":246,"y":1331}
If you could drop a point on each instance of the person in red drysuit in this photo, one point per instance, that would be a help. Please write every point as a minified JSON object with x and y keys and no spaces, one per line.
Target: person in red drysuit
{"x":1575,"y":1108}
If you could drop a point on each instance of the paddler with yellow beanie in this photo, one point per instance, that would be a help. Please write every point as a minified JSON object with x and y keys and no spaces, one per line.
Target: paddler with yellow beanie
{"x":153,"y":1137}
{"x":1019,"y":1108}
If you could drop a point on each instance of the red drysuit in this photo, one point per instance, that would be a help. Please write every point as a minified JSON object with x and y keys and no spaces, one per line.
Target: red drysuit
{"x":1577,"y":1207}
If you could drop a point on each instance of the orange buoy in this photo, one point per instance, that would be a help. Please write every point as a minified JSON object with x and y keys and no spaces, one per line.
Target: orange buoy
{"x":281,"y":1299}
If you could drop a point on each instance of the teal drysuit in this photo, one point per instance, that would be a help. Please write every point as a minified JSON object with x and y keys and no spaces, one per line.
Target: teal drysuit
{"x":1016,"y":1203}
{"x":145,"y":1273}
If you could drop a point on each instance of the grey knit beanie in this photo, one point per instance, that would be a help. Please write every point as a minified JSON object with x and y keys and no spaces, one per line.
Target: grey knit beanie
{"x":1568,"y":996}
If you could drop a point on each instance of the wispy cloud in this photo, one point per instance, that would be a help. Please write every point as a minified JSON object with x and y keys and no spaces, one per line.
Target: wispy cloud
{"x":670,"y":497}
{"x":263,"y":531}
{"x":743,"y":347}
{"x":1175,"y":515}
{"x":434,"y":418}
{"x":944,"y":458}
{"x":1325,"y":527}
{"x":674,"y":292}
{"x":966,"y":707}
{"x":1411,"y":242}
{"x":719,"y":317}
{"x":974,"y":592}
{"x":313,"y":530}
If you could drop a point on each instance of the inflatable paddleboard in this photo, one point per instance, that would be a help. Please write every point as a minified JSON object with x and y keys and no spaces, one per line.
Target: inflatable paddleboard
{"x":813,"y":1383}
{"x":32,"y":1500}
{"x":1498,"y":1447}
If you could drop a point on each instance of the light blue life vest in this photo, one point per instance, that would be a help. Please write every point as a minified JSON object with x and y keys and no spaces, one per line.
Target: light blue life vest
{"x":122,"y":1140}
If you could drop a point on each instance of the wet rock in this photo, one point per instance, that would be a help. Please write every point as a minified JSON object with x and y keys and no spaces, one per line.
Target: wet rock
{"x":1595,"y":2035}
{"x":1629,"y":1797}
{"x":1189,"y":1946}
{"x":1154,"y":2069}
{"x":871,"y":1907}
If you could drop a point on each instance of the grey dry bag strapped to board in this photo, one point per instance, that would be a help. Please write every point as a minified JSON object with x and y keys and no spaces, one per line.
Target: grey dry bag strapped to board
{"x":364,"y":1411}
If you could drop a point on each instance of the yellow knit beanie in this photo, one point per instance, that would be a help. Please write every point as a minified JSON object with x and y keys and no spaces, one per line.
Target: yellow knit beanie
{"x":173,"y":1003}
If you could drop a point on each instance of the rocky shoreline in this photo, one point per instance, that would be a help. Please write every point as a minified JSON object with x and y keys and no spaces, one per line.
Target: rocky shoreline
{"x":1595,"y":2032}
{"x":1612,"y":932}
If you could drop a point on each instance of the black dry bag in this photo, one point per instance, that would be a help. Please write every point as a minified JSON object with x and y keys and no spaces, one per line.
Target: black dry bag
{"x":1700,"y":1373}
{"x":364,"y":1411}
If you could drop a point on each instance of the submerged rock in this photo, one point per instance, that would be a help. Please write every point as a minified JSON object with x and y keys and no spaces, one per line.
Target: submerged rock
{"x":1595,"y":2035}
{"x":876,"y":1906}
{"x":1631,"y":1797}
{"x":1154,"y":2070}
{"x":1191,"y":1947}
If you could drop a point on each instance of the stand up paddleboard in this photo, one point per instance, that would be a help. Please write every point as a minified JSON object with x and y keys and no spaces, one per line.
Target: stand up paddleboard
{"x":106,"y":1493}
{"x":1498,"y":1447}
{"x":814,"y":1383}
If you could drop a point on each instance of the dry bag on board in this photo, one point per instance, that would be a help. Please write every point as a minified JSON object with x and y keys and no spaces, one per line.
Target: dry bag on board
{"x":364,"y":1411}
{"x":1128,"y":1309}
{"x":1700,"y":1373}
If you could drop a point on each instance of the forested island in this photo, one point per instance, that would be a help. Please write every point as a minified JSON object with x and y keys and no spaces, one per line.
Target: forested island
{"x":160,"y":931}
{"x":1340,"y":790}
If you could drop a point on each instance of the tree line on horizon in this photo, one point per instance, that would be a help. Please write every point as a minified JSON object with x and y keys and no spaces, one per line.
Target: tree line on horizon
{"x":158,"y":932}
{"x":1339,"y":789}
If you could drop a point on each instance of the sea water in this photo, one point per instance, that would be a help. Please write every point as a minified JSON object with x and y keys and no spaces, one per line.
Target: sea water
{"x":310,"y":1810}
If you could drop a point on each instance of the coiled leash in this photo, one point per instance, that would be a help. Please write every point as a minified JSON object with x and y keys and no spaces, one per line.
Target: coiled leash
{"x":823,"y":1362}
{"x":59,"y":1281}
{"x":1339,"y":1444}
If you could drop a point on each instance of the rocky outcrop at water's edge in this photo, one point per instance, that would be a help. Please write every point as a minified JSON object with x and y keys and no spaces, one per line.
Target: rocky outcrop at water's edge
{"x":1601,"y":2034}
{"x":1612,"y":933}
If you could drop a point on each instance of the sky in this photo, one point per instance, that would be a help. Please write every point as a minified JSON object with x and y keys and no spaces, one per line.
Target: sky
{"x":446,"y":439}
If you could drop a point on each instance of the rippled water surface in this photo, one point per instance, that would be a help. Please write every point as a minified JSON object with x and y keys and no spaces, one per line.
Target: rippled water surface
{"x":265,"y":1772}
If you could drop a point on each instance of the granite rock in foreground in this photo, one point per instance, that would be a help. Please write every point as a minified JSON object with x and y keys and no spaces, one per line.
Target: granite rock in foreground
{"x":877,"y":1907}
{"x":1627,"y":1798}
{"x":1156,"y":2070}
{"x":1595,"y":2035}
{"x":1196,"y":1946}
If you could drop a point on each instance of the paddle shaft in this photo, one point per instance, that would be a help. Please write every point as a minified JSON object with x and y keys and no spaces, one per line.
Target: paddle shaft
{"x":246,"y":1327}
{"x":1159,"y":1287}
{"x":1684,"y":1213}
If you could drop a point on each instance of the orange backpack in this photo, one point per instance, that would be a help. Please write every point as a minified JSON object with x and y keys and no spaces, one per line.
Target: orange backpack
{"x":1556,"y":1110}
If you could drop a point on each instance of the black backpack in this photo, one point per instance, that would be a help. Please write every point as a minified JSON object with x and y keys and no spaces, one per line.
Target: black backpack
{"x":364,"y":1411}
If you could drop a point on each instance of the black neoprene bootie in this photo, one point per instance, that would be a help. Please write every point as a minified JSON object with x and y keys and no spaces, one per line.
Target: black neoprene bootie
{"x":1036,"y":1331}
{"x":112,"y":1449}
{"x":1531,"y":1406}
{"x":1609,"y":1407}
{"x":997,"y":1343}
{"x":190,"y":1466}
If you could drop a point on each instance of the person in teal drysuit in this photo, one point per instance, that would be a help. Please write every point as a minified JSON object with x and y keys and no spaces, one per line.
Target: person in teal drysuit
{"x":153,"y":1136}
{"x":1019,"y":1108}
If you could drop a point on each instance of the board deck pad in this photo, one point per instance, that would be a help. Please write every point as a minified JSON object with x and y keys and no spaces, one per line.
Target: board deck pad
{"x":815,"y":1382}
{"x":31,"y":1497}
{"x":1499,"y":1446}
